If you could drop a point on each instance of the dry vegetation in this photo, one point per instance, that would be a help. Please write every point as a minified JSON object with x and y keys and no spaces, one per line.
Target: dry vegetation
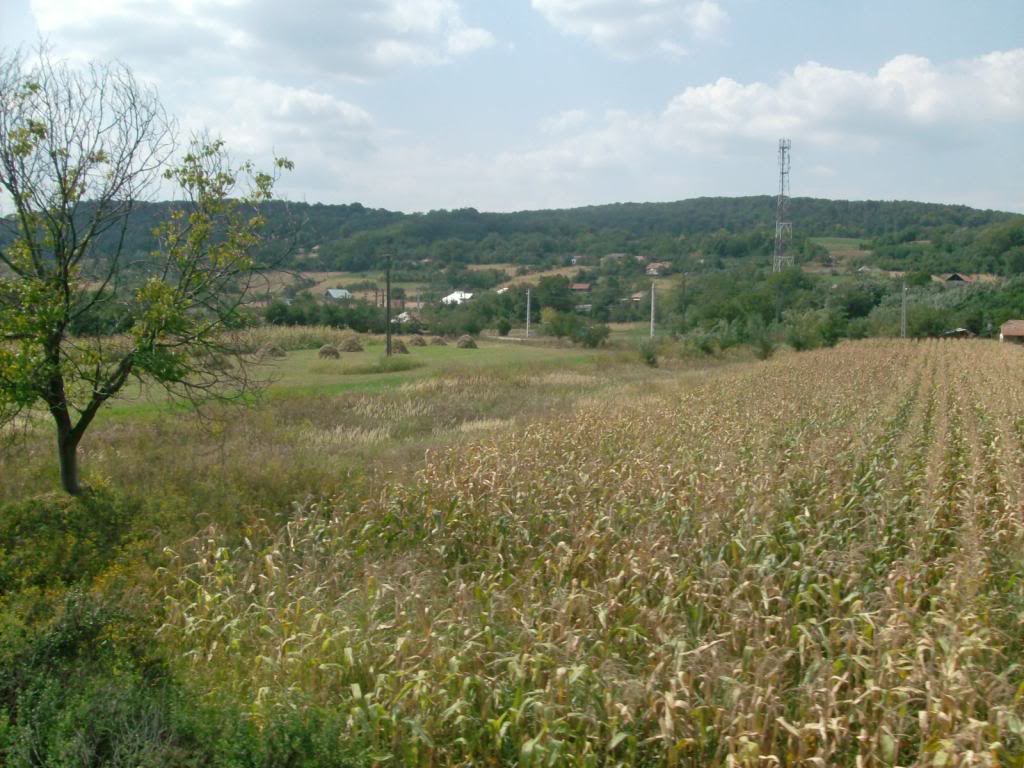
{"x":815,"y":560}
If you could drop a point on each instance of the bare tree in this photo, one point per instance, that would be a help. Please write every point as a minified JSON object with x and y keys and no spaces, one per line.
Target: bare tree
{"x":79,"y":149}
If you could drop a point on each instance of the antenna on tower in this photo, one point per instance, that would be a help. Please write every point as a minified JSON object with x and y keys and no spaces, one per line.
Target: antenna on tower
{"x":783,"y":228}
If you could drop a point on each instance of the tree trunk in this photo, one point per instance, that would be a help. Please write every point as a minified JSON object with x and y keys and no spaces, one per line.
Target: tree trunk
{"x":67,"y":450}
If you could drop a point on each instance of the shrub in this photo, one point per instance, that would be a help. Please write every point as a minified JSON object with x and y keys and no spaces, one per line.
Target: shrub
{"x":649,"y":352}
{"x":591,"y":335}
{"x":59,"y":540}
{"x":504,"y":326}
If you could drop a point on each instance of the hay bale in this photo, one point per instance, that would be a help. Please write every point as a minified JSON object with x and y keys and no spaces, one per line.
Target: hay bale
{"x":351,"y":344}
{"x":398,"y":347}
{"x":438,"y":341}
{"x":216,"y":361}
{"x":272,"y":350}
{"x":466,"y":342}
{"x":329,"y":350}
{"x":417,"y":341}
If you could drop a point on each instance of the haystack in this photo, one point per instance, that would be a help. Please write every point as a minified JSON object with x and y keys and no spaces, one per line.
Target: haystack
{"x":466,"y":342}
{"x":417,"y":341}
{"x":329,"y":350}
{"x":398,"y":347}
{"x":272,"y":350}
{"x":438,"y":341}
{"x":351,"y":344}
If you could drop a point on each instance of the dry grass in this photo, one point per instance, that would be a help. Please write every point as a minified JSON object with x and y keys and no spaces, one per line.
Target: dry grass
{"x":814,"y":561}
{"x":534,"y":277}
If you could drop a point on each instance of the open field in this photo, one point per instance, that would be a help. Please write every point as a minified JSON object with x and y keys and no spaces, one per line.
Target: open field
{"x":846,"y":252}
{"x":813,"y":560}
{"x":507,"y":268}
{"x":275,"y":282}
{"x":534,"y":277}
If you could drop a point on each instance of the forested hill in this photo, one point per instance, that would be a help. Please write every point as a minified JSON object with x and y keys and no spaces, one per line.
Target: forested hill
{"x":351,"y":236}
{"x":354,"y":237}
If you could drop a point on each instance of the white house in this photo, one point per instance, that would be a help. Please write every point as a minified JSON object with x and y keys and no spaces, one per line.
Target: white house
{"x":337,"y":294}
{"x":458,"y":297}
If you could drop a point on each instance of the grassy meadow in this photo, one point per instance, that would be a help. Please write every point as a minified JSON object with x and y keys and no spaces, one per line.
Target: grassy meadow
{"x":532,"y":555}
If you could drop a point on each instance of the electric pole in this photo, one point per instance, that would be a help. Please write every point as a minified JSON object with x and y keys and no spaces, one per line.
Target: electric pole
{"x":652,"y":309}
{"x":387,"y":305}
{"x":783,"y":228}
{"x":527,"y":313}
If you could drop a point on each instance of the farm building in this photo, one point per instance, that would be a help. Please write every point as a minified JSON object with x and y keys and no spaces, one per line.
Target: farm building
{"x":657,"y":268}
{"x":955,"y":279}
{"x":580,"y":287}
{"x":1012,"y":331}
{"x":406,"y":318}
{"x":337,"y":294}
{"x":457,"y":297}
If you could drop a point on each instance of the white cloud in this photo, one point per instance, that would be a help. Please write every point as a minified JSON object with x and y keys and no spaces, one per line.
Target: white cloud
{"x":908,"y":102}
{"x":634,"y":28}
{"x":352,"y":39}
{"x":568,"y":120}
{"x":706,"y":18}
{"x":828,"y":105}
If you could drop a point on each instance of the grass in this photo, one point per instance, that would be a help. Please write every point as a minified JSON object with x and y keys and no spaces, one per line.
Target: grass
{"x":534,"y":277}
{"x":560,"y":558}
{"x":846,"y":252}
{"x":277,"y":281}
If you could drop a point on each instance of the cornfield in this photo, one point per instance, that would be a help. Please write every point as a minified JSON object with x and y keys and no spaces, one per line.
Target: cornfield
{"x":817,"y":560}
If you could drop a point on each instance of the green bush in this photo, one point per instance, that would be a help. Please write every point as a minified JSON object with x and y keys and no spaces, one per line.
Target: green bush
{"x":58,"y":540}
{"x":649,"y":352}
{"x":84,"y":689}
{"x":591,"y":336}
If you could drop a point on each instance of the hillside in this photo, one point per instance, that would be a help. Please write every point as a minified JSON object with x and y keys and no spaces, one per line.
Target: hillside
{"x":356,"y":238}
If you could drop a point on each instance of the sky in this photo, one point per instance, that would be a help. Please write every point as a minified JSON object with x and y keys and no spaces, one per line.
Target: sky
{"x":503,"y":105}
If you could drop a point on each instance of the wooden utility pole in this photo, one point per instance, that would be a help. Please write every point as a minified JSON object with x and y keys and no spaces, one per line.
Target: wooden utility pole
{"x":527,"y":313}
{"x":387,"y":305}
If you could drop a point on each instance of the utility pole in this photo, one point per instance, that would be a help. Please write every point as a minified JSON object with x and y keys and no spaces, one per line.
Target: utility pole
{"x":783,"y":228}
{"x":652,"y":309}
{"x":387,"y":303}
{"x":903,"y":312}
{"x":527,"y":313}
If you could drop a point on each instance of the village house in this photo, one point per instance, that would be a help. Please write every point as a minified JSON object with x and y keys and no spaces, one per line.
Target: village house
{"x":580,"y":287}
{"x":406,"y":318}
{"x":955,"y":279}
{"x":337,"y":294}
{"x":457,"y":297}
{"x":658,"y":268}
{"x":958,"y":333}
{"x":1012,"y":331}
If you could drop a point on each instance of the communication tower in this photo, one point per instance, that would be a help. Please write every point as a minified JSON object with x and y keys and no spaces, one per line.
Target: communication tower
{"x":783,"y":227}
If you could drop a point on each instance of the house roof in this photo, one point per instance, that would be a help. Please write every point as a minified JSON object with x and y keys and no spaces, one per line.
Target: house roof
{"x":580,"y":286}
{"x":339,"y":293}
{"x":1012,"y":328}
{"x":957,"y":277}
{"x":456,"y":297}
